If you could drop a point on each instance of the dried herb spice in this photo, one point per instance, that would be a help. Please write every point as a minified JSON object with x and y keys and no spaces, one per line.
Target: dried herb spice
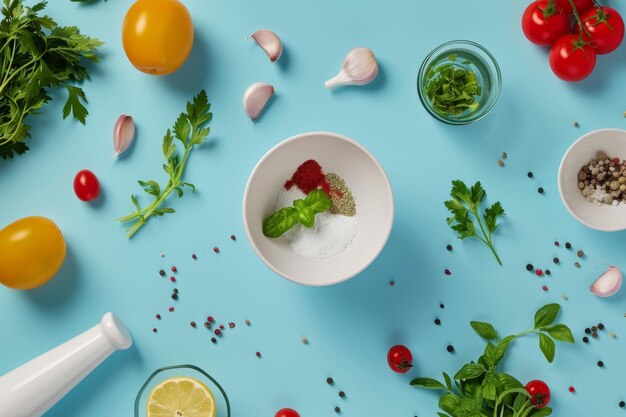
{"x":453,"y":89}
{"x":341,"y":196}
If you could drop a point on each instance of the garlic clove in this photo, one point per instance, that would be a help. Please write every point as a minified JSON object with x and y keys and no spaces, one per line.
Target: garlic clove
{"x":359,"y":68}
{"x":255,"y":98}
{"x":608,"y":284}
{"x":123,"y":133}
{"x":270,"y":42}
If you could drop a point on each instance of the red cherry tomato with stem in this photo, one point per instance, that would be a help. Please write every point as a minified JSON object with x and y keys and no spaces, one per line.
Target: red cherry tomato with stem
{"x":86,"y":185}
{"x":572,"y":58}
{"x":539,"y":393}
{"x":604,"y":28}
{"x":543,"y":23}
{"x":581,"y":5}
{"x":287,"y":412}
{"x":400,"y":359}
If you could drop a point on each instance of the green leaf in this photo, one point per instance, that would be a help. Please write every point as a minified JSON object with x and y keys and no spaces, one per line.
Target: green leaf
{"x":168,"y":147}
{"x":280,"y":222}
{"x":489,"y":390}
{"x":448,"y":380}
{"x":546,"y":315}
{"x":427,"y":383}
{"x":449,"y":402}
{"x":306,"y":216}
{"x":560,"y":332}
{"x":190,"y":185}
{"x":182,"y":128}
{"x":491,"y":216}
{"x":318,"y":201}
{"x":470,"y":370}
{"x":544,"y":412}
{"x":74,"y":105}
{"x":490,"y":354}
{"x":507,"y":381}
{"x":546,"y":344}
{"x":484,"y":330}
{"x":501,"y":348}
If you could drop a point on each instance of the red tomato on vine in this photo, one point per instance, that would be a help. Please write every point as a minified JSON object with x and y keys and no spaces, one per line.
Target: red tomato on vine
{"x":539,"y":393}
{"x":572,"y":58}
{"x":543,"y":22}
{"x":581,"y":5}
{"x":604,"y":28}
{"x":400,"y":359}
{"x":287,"y":412}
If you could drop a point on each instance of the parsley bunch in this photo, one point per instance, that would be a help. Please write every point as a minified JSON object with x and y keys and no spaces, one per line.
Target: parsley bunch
{"x":190,"y":131}
{"x":37,"y":54}
{"x":466,"y":201}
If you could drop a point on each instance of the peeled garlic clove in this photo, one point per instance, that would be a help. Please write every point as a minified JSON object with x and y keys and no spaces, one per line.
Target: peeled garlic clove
{"x":123,"y":133}
{"x":359,"y":68}
{"x":270,"y":42}
{"x":608,"y":284}
{"x":255,"y":98}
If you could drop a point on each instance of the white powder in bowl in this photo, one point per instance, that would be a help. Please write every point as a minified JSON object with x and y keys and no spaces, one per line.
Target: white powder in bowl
{"x":331,"y":234}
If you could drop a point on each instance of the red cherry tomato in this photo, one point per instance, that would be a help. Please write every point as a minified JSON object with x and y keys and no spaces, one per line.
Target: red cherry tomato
{"x":543,"y":24}
{"x":539,"y":393}
{"x":571,"y":58}
{"x":86,"y":185}
{"x":606,"y":27}
{"x":581,"y":5}
{"x":400,"y":359}
{"x":287,"y":412}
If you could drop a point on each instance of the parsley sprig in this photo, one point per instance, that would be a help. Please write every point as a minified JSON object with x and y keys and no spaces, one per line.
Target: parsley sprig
{"x":37,"y":54}
{"x":190,"y":131}
{"x":465,"y":202}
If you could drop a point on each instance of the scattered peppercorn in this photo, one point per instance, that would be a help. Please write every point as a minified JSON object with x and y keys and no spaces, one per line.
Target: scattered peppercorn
{"x":258,"y":354}
{"x":548,"y":272}
{"x":210,"y":319}
{"x":447,"y":272}
{"x":342,"y":394}
{"x":500,"y":163}
{"x":154,"y":330}
{"x":442,"y":306}
{"x":222,"y":326}
{"x":162,"y":273}
{"x":162,"y":255}
{"x":193,"y":324}
{"x":545,"y":288}
{"x":305,"y":341}
{"x":568,"y":245}
{"x":231,"y":325}
{"x":529,"y":267}
{"x":247,"y":322}
{"x":174,"y":269}
{"x":555,"y":260}
{"x":232,"y":237}
{"x":594,"y":335}
{"x":600,"y":326}
{"x":594,"y":328}
{"x":214,"y":340}
{"x":217,"y":332}
{"x":392,"y":283}
{"x":580,"y":254}
{"x":193,"y":256}
{"x":612,"y":334}
{"x":600,"y":364}
{"x":577,"y":264}
{"x":437,"y":322}
{"x":158,"y":316}
{"x":172,"y":279}
{"x":586,"y":339}
{"x":588,"y":330}
{"x":216,"y":250}
{"x":171,"y":309}
{"x":539,"y":273}
{"x":572,"y":389}
{"x":530,"y":174}
{"x":556,"y":243}
{"x":330,"y":381}
{"x":175,"y":290}
{"x":575,"y":124}
{"x":337,"y":410}
{"x":564,"y":296}
{"x":174,"y":296}
{"x":540,"y":190}
{"x":449,"y":248}
{"x":504,"y":155}
{"x":207,"y":324}
{"x":450,"y":348}
{"x":622,"y":403}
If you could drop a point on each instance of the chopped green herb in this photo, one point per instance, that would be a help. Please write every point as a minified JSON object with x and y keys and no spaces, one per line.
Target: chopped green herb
{"x":452,"y":90}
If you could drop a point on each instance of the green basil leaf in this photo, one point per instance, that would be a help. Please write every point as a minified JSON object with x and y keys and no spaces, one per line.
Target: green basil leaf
{"x":306,"y":216}
{"x":448,"y":380}
{"x":560,"y":332}
{"x":449,"y":402}
{"x":544,"y":412}
{"x":427,"y":383}
{"x":470,"y":370}
{"x":318,"y":201}
{"x":278,"y":223}
{"x":508,"y":381}
{"x":490,"y":354}
{"x":489,"y":390}
{"x":546,"y":344}
{"x":546,"y":315}
{"x":484,"y":330}
{"x":501,"y":349}
{"x":298,"y":204}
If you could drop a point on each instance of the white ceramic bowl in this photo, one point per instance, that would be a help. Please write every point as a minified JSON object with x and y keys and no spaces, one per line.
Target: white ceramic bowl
{"x":363,"y":175}
{"x":605,"y":217}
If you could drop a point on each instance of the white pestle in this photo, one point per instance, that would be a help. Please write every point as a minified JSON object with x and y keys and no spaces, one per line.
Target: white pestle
{"x":33,"y":388}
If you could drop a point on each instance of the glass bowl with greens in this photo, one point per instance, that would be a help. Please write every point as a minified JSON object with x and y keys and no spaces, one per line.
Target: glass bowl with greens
{"x":459,"y":82}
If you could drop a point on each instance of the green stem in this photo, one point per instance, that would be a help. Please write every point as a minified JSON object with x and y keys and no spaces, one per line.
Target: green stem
{"x":487,"y":240}
{"x":577,"y":17}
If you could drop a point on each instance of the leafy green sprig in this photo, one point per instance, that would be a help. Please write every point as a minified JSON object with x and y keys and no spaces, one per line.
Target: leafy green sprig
{"x":37,"y":54}
{"x":480,"y":389}
{"x":465,"y":202}
{"x":303,"y":212}
{"x":452,"y":89}
{"x":190,"y":131}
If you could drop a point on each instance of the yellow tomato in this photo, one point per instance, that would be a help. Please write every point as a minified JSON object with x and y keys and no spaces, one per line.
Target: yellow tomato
{"x":32,"y":250}
{"x":157,"y":35}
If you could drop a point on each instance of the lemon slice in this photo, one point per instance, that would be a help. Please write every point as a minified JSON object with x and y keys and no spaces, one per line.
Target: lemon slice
{"x":181,"y":397}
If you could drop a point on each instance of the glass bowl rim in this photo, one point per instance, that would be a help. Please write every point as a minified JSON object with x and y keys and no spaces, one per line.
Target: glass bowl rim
{"x":496,"y":91}
{"x":182,"y":366}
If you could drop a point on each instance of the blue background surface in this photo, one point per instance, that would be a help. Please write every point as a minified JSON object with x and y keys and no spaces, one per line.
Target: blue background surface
{"x":350,"y":326}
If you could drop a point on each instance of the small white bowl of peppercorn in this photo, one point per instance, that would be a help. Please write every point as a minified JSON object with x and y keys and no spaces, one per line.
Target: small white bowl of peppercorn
{"x":285,"y":170}
{"x":592,"y":180}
